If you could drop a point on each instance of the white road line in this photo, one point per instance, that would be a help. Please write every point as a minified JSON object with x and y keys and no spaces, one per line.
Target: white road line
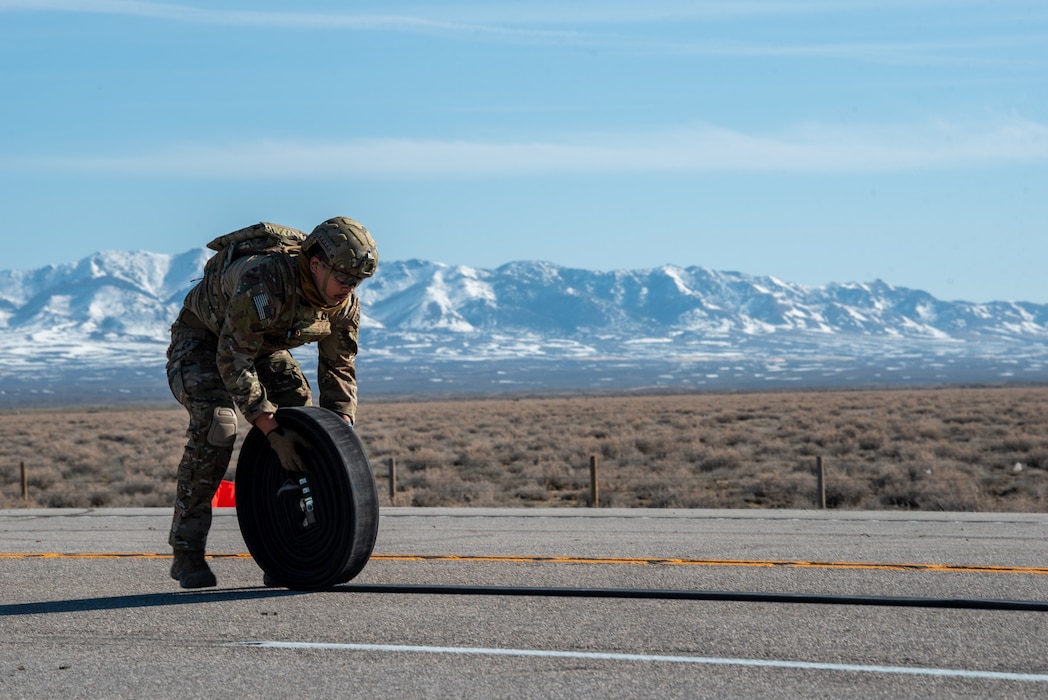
{"x":713,"y":661}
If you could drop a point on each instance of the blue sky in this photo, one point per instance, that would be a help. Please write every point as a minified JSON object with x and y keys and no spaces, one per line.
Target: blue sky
{"x":815,"y":141}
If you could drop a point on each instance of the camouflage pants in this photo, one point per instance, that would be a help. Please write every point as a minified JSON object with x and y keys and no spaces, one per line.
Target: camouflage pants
{"x":192,"y":374}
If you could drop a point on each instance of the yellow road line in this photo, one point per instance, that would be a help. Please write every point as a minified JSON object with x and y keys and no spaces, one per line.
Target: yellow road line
{"x":105,"y":555}
{"x":635,"y":561}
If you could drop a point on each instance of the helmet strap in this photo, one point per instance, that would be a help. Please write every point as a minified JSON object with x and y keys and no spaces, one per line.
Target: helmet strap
{"x":309,"y":287}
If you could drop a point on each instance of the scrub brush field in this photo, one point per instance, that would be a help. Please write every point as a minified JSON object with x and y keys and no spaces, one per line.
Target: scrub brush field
{"x":957,"y":449}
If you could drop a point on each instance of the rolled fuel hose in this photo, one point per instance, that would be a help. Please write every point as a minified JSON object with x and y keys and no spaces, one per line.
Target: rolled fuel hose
{"x":313,"y":530}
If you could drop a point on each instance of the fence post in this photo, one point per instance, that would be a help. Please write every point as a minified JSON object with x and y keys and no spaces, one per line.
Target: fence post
{"x":820,"y":475}
{"x":593,"y":482}
{"x":392,"y":480}
{"x":25,"y":484}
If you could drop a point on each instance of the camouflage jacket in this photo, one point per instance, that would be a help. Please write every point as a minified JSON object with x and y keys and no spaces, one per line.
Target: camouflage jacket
{"x":256,"y":307}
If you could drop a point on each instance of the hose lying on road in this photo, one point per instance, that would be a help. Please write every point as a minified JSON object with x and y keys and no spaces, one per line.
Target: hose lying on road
{"x":698,"y":595}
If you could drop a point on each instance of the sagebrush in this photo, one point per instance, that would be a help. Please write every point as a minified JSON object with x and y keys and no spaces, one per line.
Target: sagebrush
{"x":959,"y":449}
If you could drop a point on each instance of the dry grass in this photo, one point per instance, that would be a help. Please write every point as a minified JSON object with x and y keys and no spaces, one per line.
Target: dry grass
{"x":968,"y":449}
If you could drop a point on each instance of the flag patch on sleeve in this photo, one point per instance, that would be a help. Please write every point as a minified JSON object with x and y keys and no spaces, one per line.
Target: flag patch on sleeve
{"x":262,"y":305}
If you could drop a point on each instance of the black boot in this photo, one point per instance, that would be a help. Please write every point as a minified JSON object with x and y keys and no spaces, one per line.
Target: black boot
{"x":190,"y":569}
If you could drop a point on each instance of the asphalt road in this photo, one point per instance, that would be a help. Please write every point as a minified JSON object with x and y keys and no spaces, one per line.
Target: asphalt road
{"x":540,"y":603}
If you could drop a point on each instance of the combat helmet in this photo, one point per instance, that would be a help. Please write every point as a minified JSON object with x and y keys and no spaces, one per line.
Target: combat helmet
{"x":346,"y":244}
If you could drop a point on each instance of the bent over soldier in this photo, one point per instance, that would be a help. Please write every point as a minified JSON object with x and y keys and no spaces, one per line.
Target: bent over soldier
{"x":269,"y":289}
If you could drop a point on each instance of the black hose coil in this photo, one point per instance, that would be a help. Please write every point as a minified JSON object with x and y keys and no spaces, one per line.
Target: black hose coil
{"x":308,"y":531}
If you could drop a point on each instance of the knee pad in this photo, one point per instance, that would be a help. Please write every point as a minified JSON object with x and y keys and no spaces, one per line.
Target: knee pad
{"x":223,"y":430}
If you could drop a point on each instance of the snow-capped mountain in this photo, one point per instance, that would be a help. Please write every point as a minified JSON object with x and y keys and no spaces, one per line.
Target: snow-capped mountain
{"x":110,"y":294}
{"x":545,"y":298}
{"x":75,"y":324}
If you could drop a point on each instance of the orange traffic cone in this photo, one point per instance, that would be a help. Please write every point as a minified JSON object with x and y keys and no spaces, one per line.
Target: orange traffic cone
{"x":225,"y":497}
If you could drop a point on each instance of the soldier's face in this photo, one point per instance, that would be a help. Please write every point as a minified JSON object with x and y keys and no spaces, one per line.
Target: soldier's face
{"x":333,"y":291}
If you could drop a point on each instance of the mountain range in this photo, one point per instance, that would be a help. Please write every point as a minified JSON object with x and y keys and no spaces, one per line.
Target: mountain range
{"x":96,"y":330}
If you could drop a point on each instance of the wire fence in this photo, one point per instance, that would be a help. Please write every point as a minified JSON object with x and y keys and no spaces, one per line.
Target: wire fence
{"x":818,"y":483}
{"x":808,"y":483}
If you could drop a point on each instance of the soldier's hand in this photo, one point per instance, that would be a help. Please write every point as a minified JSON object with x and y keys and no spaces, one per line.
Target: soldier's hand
{"x":289,"y":447}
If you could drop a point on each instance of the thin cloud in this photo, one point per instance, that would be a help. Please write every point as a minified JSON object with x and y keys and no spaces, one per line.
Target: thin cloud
{"x":501,"y":13}
{"x":532,"y":24}
{"x":282,"y":20}
{"x":699,"y":149}
{"x":598,"y":12}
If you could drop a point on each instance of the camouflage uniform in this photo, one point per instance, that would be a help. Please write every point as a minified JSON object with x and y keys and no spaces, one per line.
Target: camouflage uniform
{"x":229,"y":347}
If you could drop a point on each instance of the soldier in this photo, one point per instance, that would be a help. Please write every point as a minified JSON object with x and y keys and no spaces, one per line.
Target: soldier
{"x":229,"y":347}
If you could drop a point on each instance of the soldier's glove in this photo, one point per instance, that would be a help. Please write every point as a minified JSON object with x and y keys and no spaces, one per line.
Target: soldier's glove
{"x":289,"y":445}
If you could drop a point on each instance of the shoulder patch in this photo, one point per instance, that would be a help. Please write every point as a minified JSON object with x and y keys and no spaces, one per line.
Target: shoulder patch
{"x":263,"y":306}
